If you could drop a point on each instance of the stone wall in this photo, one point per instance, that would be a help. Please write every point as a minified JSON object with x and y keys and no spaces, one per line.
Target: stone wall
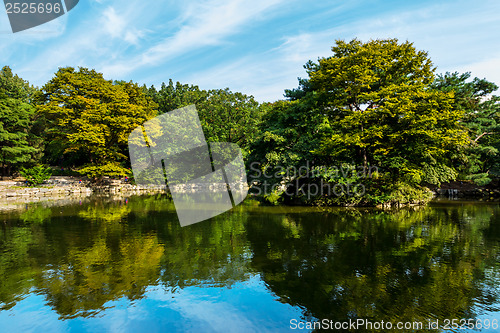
{"x":475,"y":193}
{"x":59,"y":187}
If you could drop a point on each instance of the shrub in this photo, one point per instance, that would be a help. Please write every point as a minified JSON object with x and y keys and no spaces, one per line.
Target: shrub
{"x":36,"y":175}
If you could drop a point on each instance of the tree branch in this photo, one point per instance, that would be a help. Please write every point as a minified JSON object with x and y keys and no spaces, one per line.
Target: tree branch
{"x":480,"y":136}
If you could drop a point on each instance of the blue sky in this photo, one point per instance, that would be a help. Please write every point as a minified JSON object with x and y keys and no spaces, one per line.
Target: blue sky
{"x":257,"y":47}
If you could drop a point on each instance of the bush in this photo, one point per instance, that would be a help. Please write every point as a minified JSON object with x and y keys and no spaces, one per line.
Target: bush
{"x":405,"y":194}
{"x":480,"y":179}
{"x":98,"y":172}
{"x":36,"y":175}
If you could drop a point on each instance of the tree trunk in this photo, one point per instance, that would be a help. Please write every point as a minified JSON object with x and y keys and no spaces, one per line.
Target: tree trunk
{"x":363,"y":151}
{"x":365,"y":159}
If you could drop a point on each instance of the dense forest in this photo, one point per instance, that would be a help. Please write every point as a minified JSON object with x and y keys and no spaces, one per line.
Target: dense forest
{"x":372,"y":123}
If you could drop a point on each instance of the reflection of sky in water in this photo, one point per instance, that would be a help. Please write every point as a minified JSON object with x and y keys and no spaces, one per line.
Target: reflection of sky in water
{"x":244,"y":307}
{"x":241,"y":271}
{"x":489,"y":312}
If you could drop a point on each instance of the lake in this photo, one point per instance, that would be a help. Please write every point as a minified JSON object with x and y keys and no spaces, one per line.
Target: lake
{"x":127,"y":266}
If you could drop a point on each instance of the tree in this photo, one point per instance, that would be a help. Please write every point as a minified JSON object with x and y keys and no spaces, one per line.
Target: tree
{"x":16,"y":119}
{"x":89,"y":119}
{"x":286,"y":137}
{"x":380,"y":110}
{"x":229,"y":117}
{"x":36,"y":175}
{"x":369,"y":116}
{"x":225,"y":116}
{"x":481,"y":117}
{"x":171,"y":97}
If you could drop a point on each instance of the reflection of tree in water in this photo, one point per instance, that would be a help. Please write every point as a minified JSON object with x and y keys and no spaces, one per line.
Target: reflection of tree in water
{"x":15,"y":269}
{"x":406,"y":266}
{"x":86,"y":256}
{"x":214,"y":252}
{"x":93,"y":276}
{"x":36,"y":214}
{"x":80,"y":259}
{"x":336,"y":264}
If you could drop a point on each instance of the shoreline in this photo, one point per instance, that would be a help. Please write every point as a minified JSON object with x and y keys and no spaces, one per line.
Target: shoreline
{"x":61,"y":188}
{"x":65,"y":186}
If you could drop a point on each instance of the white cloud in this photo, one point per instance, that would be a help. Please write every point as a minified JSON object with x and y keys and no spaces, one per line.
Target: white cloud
{"x":113,"y":23}
{"x":95,"y":41}
{"x":205,"y":24}
{"x":118,"y":26}
{"x":455,"y":43}
{"x":267,"y":75}
{"x":144,"y":40}
{"x":88,"y":44}
{"x":489,"y":69}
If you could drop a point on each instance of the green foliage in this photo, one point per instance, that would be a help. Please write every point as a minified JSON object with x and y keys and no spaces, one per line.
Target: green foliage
{"x":480,"y":179}
{"x":173,"y":96}
{"x":381,"y":111}
{"x":373,"y":104}
{"x":404,"y":194}
{"x":369,"y":105}
{"x":17,"y":144}
{"x":110,"y":169}
{"x":282,"y":146}
{"x":437,"y":173}
{"x":229,"y":117}
{"x":89,"y":119}
{"x":274,"y":197}
{"x":288,"y":134}
{"x":36,"y":175}
{"x":225,"y":116}
{"x":480,"y":159}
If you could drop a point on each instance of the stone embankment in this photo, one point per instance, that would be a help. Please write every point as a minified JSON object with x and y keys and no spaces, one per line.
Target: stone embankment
{"x":468,"y":193}
{"x":468,"y":190}
{"x":59,"y":186}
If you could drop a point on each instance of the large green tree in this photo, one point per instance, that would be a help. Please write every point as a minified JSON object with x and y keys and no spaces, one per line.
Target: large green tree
{"x":369,"y":114}
{"x":480,"y":160}
{"x":381,"y":110}
{"x":89,"y":118}
{"x":16,"y":118}
{"x":228,"y":116}
{"x":287,"y":136}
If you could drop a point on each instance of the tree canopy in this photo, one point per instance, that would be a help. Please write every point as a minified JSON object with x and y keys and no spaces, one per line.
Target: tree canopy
{"x":381,"y":109}
{"x":375,"y":105}
{"x":372,"y":104}
{"x":16,"y":119}
{"x":225,"y":116}
{"x":89,"y":118}
{"x":480,"y":160}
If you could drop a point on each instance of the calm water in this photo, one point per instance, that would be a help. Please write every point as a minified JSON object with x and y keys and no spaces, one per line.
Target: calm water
{"x":127,"y":266}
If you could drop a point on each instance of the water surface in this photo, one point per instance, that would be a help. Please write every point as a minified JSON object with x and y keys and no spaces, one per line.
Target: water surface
{"x":127,"y":266}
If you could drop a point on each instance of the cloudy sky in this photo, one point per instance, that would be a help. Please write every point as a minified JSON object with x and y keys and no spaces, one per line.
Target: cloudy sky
{"x":257,"y":47}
